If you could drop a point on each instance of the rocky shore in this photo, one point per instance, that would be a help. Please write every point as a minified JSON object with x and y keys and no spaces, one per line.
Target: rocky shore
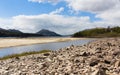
{"x":100,"y":57}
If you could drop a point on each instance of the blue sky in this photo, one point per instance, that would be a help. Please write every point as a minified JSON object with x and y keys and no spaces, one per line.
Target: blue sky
{"x":11,"y":8}
{"x":16,"y":7}
{"x":58,"y":14}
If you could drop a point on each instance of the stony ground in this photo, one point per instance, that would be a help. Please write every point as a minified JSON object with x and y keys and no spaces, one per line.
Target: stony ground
{"x":101,"y":57}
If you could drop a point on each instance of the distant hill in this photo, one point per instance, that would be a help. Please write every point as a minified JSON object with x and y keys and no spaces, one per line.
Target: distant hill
{"x":13,"y":30}
{"x":46,"y":32}
{"x":2,"y":29}
{"x":99,"y":32}
{"x":16,"y":33}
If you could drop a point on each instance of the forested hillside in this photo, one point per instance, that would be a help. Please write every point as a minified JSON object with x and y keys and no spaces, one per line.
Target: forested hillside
{"x":99,"y":32}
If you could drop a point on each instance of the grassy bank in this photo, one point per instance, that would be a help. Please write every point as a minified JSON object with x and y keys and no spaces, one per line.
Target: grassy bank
{"x":23,"y":54}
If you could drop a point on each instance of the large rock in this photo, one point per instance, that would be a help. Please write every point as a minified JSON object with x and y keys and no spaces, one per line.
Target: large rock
{"x":99,"y":72}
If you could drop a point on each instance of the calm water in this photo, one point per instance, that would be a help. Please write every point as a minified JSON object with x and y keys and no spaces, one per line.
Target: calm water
{"x":37,"y":47}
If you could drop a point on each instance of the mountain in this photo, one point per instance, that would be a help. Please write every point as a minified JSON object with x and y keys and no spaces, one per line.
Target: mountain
{"x":46,"y":32}
{"x":2,"y":29}
{"x":16,"y":33}
{"x":13,"y":30}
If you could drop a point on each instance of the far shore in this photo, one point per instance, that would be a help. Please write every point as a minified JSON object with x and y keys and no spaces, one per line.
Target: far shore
{"x":11,"y":42}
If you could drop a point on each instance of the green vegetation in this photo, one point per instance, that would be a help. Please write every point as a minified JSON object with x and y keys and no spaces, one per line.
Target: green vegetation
{"x":99,"y":32}
{"x":24,"y":54}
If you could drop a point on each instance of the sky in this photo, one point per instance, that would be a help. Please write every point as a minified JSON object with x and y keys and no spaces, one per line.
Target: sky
{"x":62,"y":16}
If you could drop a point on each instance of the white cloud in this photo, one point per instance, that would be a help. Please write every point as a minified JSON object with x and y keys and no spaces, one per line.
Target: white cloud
{"x":57,"y":11}
{"x":5,"y":23}
{"x":104,"y":9}
{"x":86,"y":5}
{"x":107,"y":10}
{"x":91,"y":5}
{"x":111,"y":15}
{"x":58,"y":23}
{"x":55,"y":22}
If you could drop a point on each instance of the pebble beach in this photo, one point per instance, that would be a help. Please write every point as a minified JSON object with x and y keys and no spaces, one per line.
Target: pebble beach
{"x":99,"y":57}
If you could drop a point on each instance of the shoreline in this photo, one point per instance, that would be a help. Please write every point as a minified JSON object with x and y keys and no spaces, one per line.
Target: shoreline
{"x":13,"y":42}
{"x":91,"y":59}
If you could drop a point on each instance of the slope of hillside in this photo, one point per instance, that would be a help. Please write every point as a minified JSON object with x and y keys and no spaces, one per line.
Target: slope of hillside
{"x":99,"y":32}
{"x":46,"y":32}
{"x":16,"y":33}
